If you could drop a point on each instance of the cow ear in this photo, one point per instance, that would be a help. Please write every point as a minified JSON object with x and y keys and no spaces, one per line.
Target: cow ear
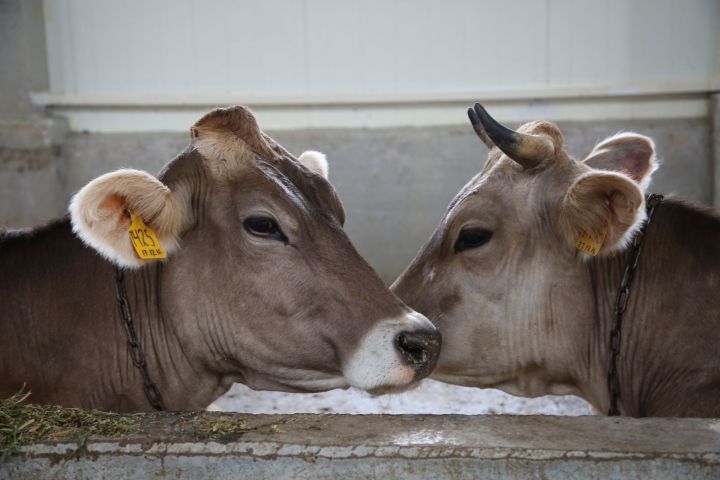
{"x":629,"y":153}
{"x":100,"y":214}
{"x":605,"y":206}
{"x":315,"y":162}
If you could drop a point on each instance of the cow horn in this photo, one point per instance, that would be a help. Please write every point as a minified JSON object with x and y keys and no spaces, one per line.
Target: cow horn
{"x":527,"y":150}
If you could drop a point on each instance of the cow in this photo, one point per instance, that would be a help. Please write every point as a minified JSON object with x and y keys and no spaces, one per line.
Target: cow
{"x":259,"y":285}
{"x":522,"y":278}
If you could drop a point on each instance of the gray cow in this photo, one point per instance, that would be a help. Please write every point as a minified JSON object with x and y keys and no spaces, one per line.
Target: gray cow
{"x":523,"y":309}
{"x":260,"y":286}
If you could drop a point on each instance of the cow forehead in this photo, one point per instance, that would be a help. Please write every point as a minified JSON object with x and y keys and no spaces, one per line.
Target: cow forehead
{"x":306,"y":190}
{"x":495,"y":175}
{"x":503,"y":178}
{"x":281,"y":174}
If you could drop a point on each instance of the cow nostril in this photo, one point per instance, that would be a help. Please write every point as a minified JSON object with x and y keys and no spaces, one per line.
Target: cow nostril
{"x":413,"y":352}
{"x":419,"y":349}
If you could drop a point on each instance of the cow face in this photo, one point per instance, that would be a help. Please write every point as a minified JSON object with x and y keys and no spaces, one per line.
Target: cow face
{"x":261,"y":284}
{"x":500,"y":274}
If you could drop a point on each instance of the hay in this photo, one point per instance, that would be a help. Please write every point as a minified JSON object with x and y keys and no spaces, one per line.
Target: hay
{"x":22,"y":423}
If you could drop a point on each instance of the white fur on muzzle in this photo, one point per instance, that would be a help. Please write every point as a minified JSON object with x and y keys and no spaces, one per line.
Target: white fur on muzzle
{"x":377,"y":363}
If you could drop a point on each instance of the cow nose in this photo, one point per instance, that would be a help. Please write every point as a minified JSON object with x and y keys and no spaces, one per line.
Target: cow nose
{"x":420,"y":350}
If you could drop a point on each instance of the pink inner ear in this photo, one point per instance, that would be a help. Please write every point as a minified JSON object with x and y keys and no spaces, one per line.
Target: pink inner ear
{"x":115,"y":206}
{"x":631,"y":162}
{"x":629,"y":154}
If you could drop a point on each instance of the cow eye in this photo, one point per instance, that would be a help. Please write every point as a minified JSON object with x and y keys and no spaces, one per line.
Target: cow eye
{"x":472,"y":238}
{"x":264,"y":227}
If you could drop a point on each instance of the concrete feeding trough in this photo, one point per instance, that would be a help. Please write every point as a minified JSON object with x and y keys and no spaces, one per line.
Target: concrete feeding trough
{"x":222,"y":445}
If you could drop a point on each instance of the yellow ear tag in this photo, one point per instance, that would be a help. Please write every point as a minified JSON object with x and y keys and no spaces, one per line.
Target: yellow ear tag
{"x":144,"y":240}
{"x":590,"y":245}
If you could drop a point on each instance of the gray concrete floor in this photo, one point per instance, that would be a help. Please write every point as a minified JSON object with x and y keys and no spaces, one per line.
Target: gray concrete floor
{"x":430,"y":397}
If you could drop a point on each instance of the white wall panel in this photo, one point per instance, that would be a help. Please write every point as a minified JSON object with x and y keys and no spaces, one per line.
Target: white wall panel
{"x":121,"y":53}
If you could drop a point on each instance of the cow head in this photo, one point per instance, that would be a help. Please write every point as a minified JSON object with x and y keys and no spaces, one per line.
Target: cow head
{"x":261,"y":285}
{"x":501,"y":276}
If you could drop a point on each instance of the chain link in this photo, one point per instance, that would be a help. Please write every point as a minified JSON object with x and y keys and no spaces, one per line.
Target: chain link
{"x":136,"y":352}
{"x":621,"y":305}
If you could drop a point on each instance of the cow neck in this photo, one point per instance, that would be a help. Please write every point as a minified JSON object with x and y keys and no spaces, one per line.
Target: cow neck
{"x":621,"y":302}
{"x":137,"y":353}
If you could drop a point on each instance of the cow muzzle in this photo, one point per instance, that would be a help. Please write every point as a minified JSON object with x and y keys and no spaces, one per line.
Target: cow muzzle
{"x":394,"y":355}
{"x":420,"y":350}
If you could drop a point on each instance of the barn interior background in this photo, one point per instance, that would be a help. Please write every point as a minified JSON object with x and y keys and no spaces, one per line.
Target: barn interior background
{"x":381,"y":86}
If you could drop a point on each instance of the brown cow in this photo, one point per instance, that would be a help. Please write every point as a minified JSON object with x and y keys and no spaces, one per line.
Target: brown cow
{"x":523,"y":310}
{"x":261,"y":285}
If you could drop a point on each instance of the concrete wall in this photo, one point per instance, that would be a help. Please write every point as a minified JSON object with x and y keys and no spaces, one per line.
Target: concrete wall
{"x":385,"y":447}
{"x":395,"y":183}
{"x":29,"y":191}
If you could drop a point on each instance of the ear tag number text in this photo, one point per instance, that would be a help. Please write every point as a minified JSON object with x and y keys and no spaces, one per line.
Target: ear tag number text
{"x":144,"y":240}
{"x":590,"y":245}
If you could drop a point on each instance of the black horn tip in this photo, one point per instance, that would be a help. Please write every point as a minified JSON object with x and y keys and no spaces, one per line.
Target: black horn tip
{"x":473,"y":116}
{"x":527,"y":150}
{"x":500,"y":135}
{"x":480,"y":112}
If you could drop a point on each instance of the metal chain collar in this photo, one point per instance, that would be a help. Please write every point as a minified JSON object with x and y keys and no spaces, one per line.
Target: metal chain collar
{"x":136,"y":351}
{"x":621,"y":305}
